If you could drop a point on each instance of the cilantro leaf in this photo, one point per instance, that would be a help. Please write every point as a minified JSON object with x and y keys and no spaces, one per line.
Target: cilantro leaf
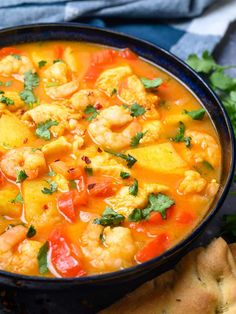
{"x":157,"y":203}
{"x":42,"y":129}
{"x":137,"y":110}
{"x":114,"y":92}
{"x":73,"y":184}
{"x":31,"y":232}
{"x":133,"y":189}
{"x":16,"y":56}
{"x":149,"y":84}
{"x":42,"y":258}
{"x":92,"y":112}
{"x":42,"y":63}
{"x":28,"y":96}
{"x":89,"y":171}
{"x":6,"y":100}
{"x":31,"y":80}
{"x":221,"y":81}
{"x":204,"y":65}
{"x":124,"y":175}
{"x":136,"y":139}
{"x":207,"y":165}
{"x":196,"y":114}
{"x":51,"y":173}
{"x":130,"y":160}
{"x":21,"y":176}
{"x":57,"y":60}
{"x":109,"y":218}
{"x":180,"y":136}
{"x":8,"y":83}
{"x":18,"y":199}
{"x":53,"y":188}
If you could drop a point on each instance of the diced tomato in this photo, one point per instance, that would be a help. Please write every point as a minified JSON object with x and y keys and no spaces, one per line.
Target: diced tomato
{"x":153,"y":248}
{"x":81,"y":194}
{"x":60,"y":167}
{"x":2,"y":179}
{"x":65,"y":205}
{"x":128,"y":54}
{"x":76,"y":173}
{"x":66,"y":263}
{"x":185,"y":218}
{"x":103,"y":57}
{"x":9,"y":51}
{"x":92,"y":73}
{"x":101,"y":186}
{"x":58,"y":52}
{"x":155,"y":218}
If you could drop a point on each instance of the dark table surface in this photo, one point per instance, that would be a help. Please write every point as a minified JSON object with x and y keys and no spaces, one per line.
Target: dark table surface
{"x":18,"y":302}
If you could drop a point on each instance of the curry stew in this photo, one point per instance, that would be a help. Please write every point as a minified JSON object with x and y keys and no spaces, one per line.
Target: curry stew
{"x":106,"y":161}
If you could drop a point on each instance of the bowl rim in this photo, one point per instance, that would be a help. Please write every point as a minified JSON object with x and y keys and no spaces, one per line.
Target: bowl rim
{"x":98,"y":278}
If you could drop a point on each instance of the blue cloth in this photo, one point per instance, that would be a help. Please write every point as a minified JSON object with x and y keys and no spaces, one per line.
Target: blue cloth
{"x":147,"y":19}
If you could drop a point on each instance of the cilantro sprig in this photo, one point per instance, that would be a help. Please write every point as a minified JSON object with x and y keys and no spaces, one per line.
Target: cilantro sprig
{"x":31,"y":80}
{"x":223,"y":84}
{"x":42,"y":129}
{"x":92,"y":112}
{"x":109,"y":218}
{"x":21,"y":176}
{"x":150,"y":84}
{"x":130,"y":160}
{"x":52,"y":188}
{"x":156,"y":203}
{"x":180,"y":136}
{"x":137,"y":110}
{"x":196,"y":114}
{"x":133,"y":189}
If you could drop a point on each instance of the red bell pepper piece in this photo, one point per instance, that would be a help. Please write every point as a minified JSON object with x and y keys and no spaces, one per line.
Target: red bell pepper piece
{"x":9,"y":51}
{"x":65,"y":205}
{"x":64,"y":260}
{"x":101,"y":186}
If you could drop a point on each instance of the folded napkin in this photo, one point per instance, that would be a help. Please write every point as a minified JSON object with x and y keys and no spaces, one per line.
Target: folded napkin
{"x":148,"y":19}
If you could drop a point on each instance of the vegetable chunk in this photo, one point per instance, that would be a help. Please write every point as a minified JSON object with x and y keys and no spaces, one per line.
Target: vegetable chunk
{"x":160,"y":158}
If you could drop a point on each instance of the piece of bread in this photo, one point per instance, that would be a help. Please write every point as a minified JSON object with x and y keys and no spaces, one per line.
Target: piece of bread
{"x":204,"y":282}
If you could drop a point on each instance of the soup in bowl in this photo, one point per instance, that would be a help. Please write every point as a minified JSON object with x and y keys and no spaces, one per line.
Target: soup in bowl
{"x":106,"y":160}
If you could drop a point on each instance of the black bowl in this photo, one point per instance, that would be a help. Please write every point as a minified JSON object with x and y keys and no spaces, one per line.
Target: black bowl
{"x":123,"y":280}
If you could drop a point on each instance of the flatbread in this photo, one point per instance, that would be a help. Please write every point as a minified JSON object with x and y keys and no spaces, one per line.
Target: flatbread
{"x":204,"y":282}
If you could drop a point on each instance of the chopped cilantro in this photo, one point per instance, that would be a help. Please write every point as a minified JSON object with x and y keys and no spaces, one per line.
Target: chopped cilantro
{"x":130,"y":160}
{"x":73,"y":184}
{"x":57,"y":60}
{"x":31,"y":232}
{"x":53,"y":188}
{"x":180,"y":136}
{"x":31,"y":80}
{"x":42,"y":258}
{"x":133,"y":189}
{"x":207,"y":165}
{"x":114,"y":92}
{"x":42,"y":129}
{"x":89,"y":171}
{"x":8,"y":83}
{"x":18,"y":199}
{"x":21,"y":176}
{"x":16,"y":56}
{"x":51,"y":174}
{"x":149,"y":84}
{"x":124,"y":175}
{"x":28,"y":96}
{"x":137,"y":110}
{"x":92,"y":112}
{"x":157,"y":203}
{"x":42,"y":63}
{"x":136,"y":139}
{"x":109,"y":218}
{"x":6,"y":100}
{"x":196,"y":114}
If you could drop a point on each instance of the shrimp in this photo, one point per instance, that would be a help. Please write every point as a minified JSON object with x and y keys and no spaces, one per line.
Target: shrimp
{"x":15,"y":67}
{"x":23,"y":158}
{"x":101,"y":129}
{"x":116,"y":252}
{"x":17,"y":254}
{"x":204,"y":148}
{"x":192,"y":183}
{"x":57,"y":81}
{"x":86,"y":97}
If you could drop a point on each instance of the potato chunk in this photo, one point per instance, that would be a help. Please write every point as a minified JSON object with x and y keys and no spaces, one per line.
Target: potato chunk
{"x":13,"y":132}
{"x":160,"y":158}
{"x":40,"y":209}
{"x":7,"y":207}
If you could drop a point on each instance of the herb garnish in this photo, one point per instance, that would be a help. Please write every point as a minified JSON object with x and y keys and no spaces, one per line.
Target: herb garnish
{"x":157,"y":203}
{"x":207,"y":165}
{"x":180,"y":136}
{"x":18,"y":199}
{"x":53,"y":188}
{"x":109,"y":218}
{"x":42,"y":258}
{"x":137,"y":110}
{"x":31,"y":232}
{"x":21,"y":176}
{"x":128,"y":158}
{"x":133,"y":189}
{"x":92,"y":112}
{"x":136,"y":139}
{"x":16,"y":56}
{"x":42,"y":63}
{"x":42,"y":129}
{"x":89,"y":171}
{"x":31,"y":80}
{"x":196,"y":114}
{"x":149,"y":84}
{"x":6,"y":100}
{"x":124,"y":175}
